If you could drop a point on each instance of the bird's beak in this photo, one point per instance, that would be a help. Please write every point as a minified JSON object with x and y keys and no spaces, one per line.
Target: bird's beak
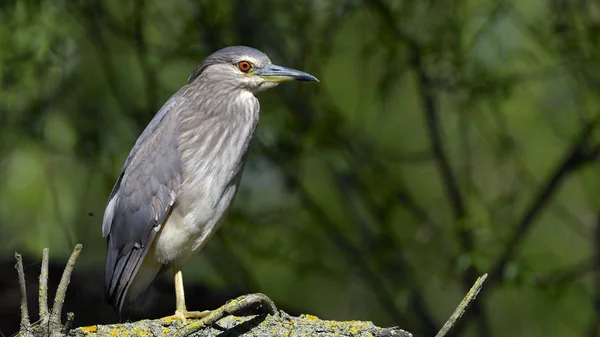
{"x":275,"y":73}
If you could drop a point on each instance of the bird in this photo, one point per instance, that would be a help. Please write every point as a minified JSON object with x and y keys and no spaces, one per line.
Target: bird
{"x":183,"y":172}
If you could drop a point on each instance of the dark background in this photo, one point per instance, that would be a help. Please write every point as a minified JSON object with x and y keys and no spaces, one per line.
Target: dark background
{"x":446,"y":139}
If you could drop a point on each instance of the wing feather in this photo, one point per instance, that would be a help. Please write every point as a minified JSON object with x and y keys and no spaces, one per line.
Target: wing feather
{"x":140,"y":202}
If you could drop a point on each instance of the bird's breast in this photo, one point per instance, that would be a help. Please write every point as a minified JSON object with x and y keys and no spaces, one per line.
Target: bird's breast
{"x":213,"y":155}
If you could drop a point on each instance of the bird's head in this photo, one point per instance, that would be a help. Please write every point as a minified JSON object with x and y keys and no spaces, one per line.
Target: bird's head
{"x":240,"y":67}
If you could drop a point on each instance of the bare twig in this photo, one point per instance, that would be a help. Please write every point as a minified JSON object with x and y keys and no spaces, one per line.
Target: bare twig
{"x":61,"y":292}
{"x":462,"y":307}
{"x":25,"y":324}
{"x":43,"y":296}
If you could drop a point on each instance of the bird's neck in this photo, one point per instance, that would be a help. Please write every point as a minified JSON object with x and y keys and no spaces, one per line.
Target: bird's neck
{"x":216,"y":106}
{"x":215,"y":130}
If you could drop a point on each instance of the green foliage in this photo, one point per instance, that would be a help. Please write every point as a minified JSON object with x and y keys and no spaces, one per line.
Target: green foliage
{"x":436,"y":147}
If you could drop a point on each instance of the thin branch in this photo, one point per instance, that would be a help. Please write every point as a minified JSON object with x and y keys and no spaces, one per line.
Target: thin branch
{"x":462,"y":307}
{"x":426,"y":87}
{"x":567,"y":275}
{"x":25,"y":323}
{"x":573,"y":159}
{"x":431,"y":110}
{"x":61,"y":292}
{"x":43,"y":297}
{"x":365,"y":156}
{"x":429,"y":101}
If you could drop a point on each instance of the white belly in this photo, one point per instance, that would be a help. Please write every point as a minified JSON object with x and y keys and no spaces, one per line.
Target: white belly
{"x":184,"y":235}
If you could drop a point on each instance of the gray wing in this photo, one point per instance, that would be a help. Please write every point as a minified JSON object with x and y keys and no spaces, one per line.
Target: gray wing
{"x":141,"y":201}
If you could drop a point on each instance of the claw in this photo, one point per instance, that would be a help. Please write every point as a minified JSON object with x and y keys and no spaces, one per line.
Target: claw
{"x":183,"y":316}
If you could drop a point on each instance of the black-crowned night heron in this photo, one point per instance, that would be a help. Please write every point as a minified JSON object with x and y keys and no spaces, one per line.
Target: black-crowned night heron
{"x":183,"y":173}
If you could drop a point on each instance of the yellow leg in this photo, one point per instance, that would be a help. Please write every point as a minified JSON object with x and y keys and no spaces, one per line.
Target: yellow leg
{"x":181,"y":312}
{"x":179,"y":291}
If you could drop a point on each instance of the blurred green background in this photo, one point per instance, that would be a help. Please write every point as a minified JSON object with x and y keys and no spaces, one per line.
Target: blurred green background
{"x":446,"y":139}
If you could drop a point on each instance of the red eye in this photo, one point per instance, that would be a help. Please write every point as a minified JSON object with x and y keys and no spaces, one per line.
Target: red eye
{"x":244,"y":66}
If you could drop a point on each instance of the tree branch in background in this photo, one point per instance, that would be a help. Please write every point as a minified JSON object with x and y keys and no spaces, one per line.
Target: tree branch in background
{"x":577,"y":156}
{"x":352,"y":253}
{"x":141,"y":48}
{"x":382,"y":242}
{"x":560,"y":278}
{"x":426,"y":89}
{"x":93,"y":17}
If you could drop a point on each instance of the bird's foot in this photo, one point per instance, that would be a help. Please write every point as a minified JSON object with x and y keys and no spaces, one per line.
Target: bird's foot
{"x":183,"y":315}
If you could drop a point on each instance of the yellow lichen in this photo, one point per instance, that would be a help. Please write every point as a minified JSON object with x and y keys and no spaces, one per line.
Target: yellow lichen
{"x":358,"y":326}
{"x":140,"y":332}
{"x":89,"y":329}
{"x":116,"y":332}
{"x":311,"y":317}
{"x":168,"y":320}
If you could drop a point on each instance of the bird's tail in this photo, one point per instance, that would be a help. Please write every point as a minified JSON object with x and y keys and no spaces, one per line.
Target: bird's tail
{"x":129,"y":275}
{"x":147,"y":273}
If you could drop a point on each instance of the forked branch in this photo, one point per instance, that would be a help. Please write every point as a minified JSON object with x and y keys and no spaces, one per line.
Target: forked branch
{"x":49,"y":324}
